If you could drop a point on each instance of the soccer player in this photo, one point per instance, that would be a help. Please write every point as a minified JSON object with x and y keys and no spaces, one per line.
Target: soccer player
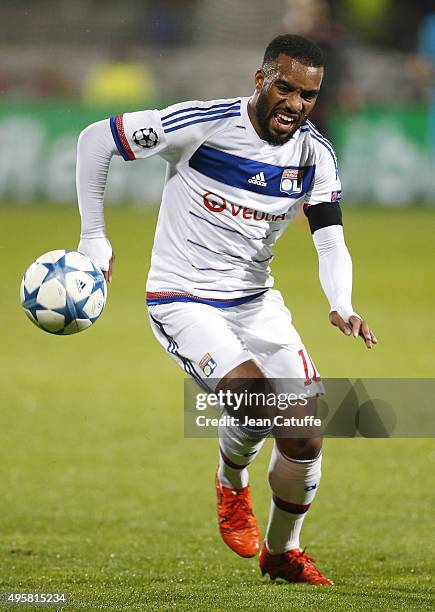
{"x":238,"y":170}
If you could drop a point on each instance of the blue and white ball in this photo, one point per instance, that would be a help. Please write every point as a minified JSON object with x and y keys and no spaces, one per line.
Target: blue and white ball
{"x":63,"y":292}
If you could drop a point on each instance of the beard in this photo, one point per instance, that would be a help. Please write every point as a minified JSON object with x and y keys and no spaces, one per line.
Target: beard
{"x":264,"y":114}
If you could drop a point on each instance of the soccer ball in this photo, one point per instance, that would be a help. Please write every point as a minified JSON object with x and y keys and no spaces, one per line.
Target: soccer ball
{"x":63,"y":292}
{"x":146,"y":137}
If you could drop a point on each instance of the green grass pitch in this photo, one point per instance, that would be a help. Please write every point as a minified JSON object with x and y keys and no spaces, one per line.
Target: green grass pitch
{"x":102,"y":497}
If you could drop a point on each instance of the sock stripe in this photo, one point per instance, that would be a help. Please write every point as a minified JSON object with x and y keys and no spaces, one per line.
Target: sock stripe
{"x":289,"y":506}
{"x":300,"y":461}
{"x":229,"y":463}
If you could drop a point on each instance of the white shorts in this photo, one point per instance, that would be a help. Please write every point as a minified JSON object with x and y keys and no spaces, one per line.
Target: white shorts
{"x":208,"y":342}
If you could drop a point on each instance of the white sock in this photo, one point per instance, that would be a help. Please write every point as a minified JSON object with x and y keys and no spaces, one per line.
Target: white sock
{"x":236,"y":453}
{"x":294,"y":484}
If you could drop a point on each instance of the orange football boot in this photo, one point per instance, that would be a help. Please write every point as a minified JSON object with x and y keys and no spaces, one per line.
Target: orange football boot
{"x":237,"y":524}
{"x":293,"y":566}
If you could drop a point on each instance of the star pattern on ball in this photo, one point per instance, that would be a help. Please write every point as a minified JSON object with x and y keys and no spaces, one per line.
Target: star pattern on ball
{"x":51,"y":277}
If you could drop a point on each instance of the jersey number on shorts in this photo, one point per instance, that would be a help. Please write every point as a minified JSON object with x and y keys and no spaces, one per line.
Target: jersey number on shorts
{"x":305,"y":356}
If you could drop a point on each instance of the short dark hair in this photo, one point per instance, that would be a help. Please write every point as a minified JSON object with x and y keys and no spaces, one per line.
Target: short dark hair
{"x":297,"y":47}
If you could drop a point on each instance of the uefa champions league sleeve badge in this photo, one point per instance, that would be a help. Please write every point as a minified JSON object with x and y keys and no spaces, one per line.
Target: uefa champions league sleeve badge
{"x":146,"y":137}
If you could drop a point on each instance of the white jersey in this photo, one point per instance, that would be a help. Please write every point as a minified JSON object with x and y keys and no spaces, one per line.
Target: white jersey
{"x":228,"y":196}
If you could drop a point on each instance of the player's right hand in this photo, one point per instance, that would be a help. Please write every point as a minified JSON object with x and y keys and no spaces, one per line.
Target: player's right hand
{"x":108,"y":273}
{"x":99,"y":250}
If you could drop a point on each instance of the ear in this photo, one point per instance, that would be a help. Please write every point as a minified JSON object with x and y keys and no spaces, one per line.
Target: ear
{"x":259,"y":80}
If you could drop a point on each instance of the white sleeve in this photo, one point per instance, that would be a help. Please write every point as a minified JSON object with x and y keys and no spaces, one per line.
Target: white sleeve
{"x":335,"y":269}
{"x":175,"y":132}
{"x":326,"y":186}
{"x":94,"y":151}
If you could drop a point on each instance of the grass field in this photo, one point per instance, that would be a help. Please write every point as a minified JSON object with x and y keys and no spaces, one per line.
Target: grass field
{"x":102,"y":497}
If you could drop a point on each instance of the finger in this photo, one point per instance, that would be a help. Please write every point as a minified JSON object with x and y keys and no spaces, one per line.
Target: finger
{"x":339,"y":322}
{"x":374,"y":339}
{"x":356,"y":326}
{"x":346,"y":329}
{"x":366,"y":334}
{"x":111,"y":266}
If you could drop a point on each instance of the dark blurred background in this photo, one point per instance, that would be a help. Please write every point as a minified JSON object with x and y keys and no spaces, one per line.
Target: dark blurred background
{"x":66,"y":64}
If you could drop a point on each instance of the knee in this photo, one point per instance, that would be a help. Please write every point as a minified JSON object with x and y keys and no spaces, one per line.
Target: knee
{"x":300,"y":448}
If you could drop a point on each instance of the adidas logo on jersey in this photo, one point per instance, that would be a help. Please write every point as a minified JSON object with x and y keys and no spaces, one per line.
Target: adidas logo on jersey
{"x":258,"y":179}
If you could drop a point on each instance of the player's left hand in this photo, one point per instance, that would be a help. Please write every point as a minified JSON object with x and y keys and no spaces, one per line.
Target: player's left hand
{"x":354,"y":327}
